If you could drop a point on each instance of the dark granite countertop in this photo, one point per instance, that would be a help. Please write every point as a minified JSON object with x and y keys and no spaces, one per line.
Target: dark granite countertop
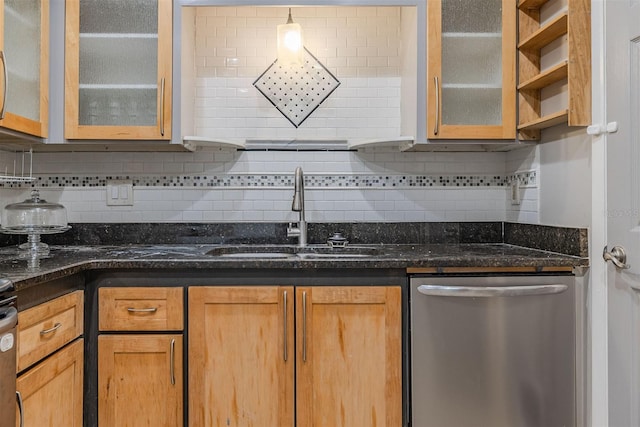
{"x":68,"y":260}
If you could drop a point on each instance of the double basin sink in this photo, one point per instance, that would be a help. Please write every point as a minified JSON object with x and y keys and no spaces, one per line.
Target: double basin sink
{"x":293,"y":252}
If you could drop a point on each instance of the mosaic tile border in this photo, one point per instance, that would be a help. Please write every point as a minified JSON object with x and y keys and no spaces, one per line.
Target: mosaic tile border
{"x":341,"y":181}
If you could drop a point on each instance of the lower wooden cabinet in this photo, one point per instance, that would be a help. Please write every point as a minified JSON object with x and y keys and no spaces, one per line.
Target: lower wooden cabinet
{"x":346,"y":361}
{"x":241,"y":356}
{"x":349,"y":356}
{"x":51,"y":391}
{"x":140,"y":380}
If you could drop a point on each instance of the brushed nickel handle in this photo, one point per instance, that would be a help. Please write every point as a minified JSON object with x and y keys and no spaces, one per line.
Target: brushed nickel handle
{"x":20,"y":408}
{"x":48,"y":331}
{"x":436,"y":126}
{"x":617,"y":256}
{"x":304,"y":326}
{"x":490,"y":291}
{"x":173,"y":362}
{"x":6,"y":84}
{"x":284,"y":301}
{"x":142,"y":310}
{"x":162,"y":106}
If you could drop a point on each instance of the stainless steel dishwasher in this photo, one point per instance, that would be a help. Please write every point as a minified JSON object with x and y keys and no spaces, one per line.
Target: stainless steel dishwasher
{"x":8,"y":322}
{"x":494,"y":351}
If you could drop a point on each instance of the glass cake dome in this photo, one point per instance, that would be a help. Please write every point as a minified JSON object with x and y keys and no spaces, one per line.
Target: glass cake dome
{"x":33,"y":217}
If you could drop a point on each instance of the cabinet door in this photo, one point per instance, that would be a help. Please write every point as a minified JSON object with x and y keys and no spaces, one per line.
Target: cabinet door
{"x":140,"y":380}
{"x":241,"y":359}
{"x":52,"y":392}
{"x":24,"y":62}
{"x":118,"y":69}
{"x":349,"y":356}
{"x":471,"y":69}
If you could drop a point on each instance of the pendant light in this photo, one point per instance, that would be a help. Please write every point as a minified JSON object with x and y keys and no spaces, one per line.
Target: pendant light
{"x":290,"y":43}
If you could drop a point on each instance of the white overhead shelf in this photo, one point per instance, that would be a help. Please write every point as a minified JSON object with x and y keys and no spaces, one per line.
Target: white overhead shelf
{"x":194,"y":143}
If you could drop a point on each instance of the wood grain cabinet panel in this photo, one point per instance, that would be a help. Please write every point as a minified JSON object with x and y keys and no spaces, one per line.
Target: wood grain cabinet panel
{"x":347,"y":356}
{"x":141,"y":309}
{"x":140,"y":380}
{"x":52,"y":391}
{"x":47,"y":327}
{"x":241,"y":356}
{"x":140,"y":376}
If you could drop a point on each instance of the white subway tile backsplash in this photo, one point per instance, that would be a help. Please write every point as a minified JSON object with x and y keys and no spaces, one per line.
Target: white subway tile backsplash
{"x":360,"y":45}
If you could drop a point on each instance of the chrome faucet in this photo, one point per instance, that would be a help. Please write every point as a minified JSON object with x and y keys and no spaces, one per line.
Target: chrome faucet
{"x":298,"y":206}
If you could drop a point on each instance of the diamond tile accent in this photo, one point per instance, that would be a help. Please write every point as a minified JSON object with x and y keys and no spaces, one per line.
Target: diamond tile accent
{"x":297,"y":91}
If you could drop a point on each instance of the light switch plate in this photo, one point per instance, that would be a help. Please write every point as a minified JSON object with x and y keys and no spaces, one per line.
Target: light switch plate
{"x":119,"y":193}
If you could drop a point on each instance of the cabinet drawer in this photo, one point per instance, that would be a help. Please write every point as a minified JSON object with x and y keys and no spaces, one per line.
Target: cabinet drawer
{"x":46,"y":327}
{"x":140,"y":309}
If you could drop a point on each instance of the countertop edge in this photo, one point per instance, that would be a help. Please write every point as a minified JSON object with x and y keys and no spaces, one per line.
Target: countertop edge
{"x":415,"y":259}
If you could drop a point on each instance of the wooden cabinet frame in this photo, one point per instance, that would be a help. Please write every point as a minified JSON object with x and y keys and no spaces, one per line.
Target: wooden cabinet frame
{"x":147,"y":367}
{"x":345,"y":336}
{"x":435,"y":128}
{"x":72,"y":128}
{"x":53,"y":389}
{"x":13,"y":121}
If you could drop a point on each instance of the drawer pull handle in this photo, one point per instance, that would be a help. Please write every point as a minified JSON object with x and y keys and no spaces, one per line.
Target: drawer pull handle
{"x":173,"y":362}
{"x":304,"y":326}
{"x":20,"y":408}
{"x":284,"y":298}
{"x":142,"y":310}
{"x":6,"y":84}
{"x":48,"y":331}
{"x":162,"y":107}
{"x":436,"y":126}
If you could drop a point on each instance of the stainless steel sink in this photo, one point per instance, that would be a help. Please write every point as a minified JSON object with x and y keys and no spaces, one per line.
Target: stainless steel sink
{"x":312,"y":255}
{"x":256,"y":255}
{"x":289,"y":252}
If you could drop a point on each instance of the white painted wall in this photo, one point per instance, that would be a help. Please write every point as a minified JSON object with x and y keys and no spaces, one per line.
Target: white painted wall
{"x":565,"y":178}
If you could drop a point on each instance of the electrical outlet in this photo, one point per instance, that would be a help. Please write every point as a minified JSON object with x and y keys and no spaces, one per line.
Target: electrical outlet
{"x":119,"y":193}
{"x":515,"y":192}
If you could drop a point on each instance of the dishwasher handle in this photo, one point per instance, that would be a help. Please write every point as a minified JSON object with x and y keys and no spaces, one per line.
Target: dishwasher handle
{"x":490,"y":291}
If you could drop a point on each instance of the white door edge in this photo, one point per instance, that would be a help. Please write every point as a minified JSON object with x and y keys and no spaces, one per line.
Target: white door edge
{"x":598,"y":382}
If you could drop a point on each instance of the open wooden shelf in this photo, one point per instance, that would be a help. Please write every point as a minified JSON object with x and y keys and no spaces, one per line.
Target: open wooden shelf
{"x":545,"y":121}
{"x":545,"y":35}
{"x":531,"y":4}
{"x":573,"y":21}
{"x":547,"y":77}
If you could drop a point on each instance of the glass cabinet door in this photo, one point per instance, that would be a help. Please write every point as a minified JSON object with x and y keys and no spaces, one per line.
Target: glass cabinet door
{"x":471,"y":69}
{"x":118,"y":67}
{"x":25,"y":67}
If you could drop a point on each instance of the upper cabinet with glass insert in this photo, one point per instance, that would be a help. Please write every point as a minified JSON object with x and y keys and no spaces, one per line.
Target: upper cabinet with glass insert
{"x":24,"y":66}
{"x":471,"y":51}
{"x":118,"y":69}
